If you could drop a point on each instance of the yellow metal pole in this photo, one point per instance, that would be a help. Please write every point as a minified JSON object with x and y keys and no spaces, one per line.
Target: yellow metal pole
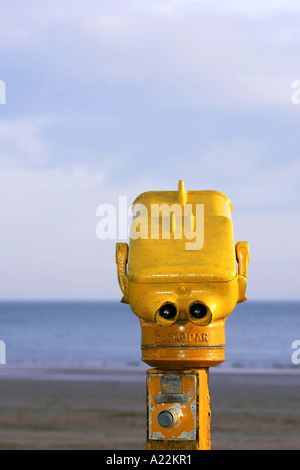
{"x":178,"y":405}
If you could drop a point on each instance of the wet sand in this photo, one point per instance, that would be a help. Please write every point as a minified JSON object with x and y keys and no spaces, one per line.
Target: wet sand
{"x":101,"y":410}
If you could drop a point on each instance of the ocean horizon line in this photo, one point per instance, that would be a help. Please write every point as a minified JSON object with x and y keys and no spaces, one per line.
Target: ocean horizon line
{"x":119,"y":301}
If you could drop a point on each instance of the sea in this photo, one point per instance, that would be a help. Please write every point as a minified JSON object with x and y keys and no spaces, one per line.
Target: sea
{"x":107,"y":335}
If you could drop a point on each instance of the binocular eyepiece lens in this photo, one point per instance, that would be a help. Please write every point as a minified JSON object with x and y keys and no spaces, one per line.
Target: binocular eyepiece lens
{"x":198,"y":311}
{"x":168,"y":311}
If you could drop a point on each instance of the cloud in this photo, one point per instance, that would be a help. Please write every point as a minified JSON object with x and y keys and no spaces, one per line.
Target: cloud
{"x":196,"y":57}
{"x":48,"y":235}
{"x":249,"y":62}
{"x":21,"y":143}
{"x":255,"y":7}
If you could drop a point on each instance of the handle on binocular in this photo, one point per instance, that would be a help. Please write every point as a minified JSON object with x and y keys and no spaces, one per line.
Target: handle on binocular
{"x":242,"y":256}
{"x":121,"y":260}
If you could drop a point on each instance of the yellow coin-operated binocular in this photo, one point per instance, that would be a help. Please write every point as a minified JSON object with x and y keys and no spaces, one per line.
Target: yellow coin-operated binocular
{"x":182,"y":275}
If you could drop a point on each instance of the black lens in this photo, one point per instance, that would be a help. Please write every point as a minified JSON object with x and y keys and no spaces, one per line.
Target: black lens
{"x":198,"y":311}
{"x":168,"y":311}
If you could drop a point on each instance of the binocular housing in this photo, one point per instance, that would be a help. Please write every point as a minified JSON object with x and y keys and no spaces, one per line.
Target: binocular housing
{"x":182,"y":291}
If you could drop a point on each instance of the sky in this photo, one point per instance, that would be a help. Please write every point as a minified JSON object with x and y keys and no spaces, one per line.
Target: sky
{"x":115,"y":98}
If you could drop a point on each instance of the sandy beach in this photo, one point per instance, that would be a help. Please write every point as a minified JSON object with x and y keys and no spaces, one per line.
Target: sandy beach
{"x":73,"y":409}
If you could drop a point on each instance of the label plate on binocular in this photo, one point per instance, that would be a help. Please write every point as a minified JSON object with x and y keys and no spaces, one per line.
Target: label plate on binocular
{"x":171,"y":390}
